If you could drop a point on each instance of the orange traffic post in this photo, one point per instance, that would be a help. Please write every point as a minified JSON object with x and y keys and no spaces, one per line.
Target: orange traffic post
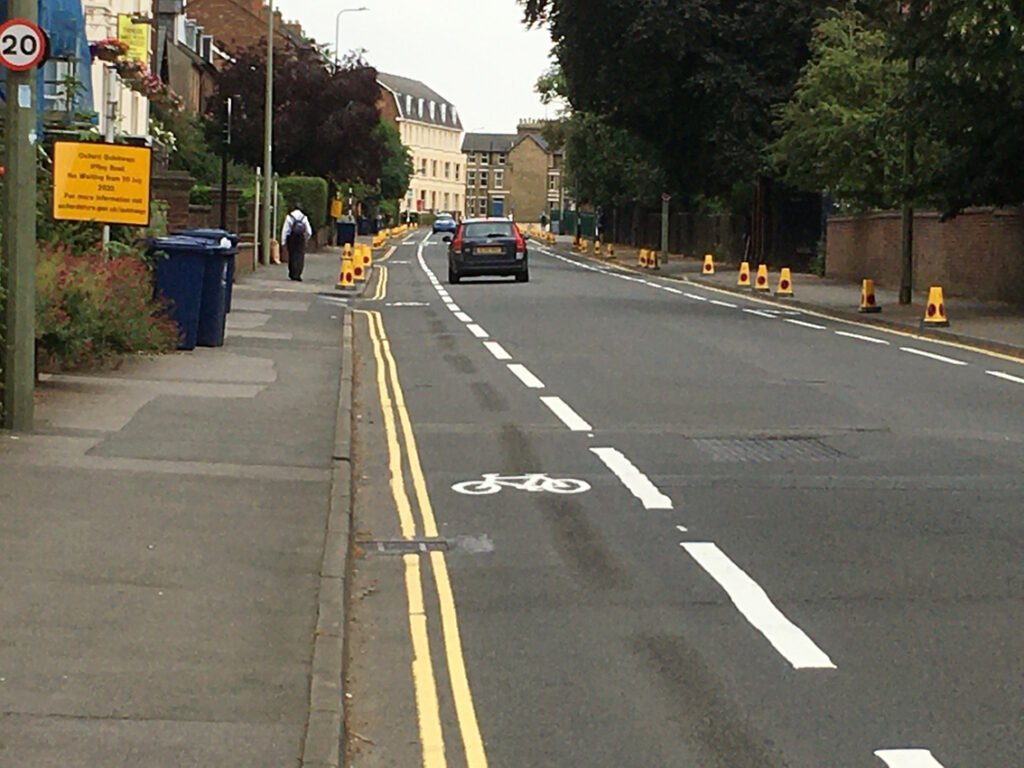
{"x":785,"y":287}
{"x":935,"y":312}
{"x":868,"y":303}
{"x":365,"y":254}
{"x":345,"y":276}
{"x":611,"y":251}
{"x":743,"y":280}
{"x":709,"y":265}
{"x":761,"y":281}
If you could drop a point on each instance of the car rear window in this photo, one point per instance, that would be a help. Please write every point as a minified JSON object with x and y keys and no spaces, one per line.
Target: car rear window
{"x":488,"y":229}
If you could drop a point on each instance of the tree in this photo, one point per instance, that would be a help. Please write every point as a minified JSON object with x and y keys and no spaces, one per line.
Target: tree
{"x":696,"y":80}
{"x":842,"y":132}
{"x":324,"y":121}
{"x":397,"y":168}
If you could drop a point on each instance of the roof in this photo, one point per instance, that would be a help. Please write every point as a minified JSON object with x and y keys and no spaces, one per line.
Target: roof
{"x":488,"y":142}
{"x":417,"y":102}
{"x":541,"y":141}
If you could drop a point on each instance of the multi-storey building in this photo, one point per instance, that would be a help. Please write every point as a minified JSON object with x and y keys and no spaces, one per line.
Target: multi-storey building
{"x":429,"y":126}
{"x":512,"y":174}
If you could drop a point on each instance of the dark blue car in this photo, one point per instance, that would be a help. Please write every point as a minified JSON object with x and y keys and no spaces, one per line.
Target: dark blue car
{"x":444,"y":223}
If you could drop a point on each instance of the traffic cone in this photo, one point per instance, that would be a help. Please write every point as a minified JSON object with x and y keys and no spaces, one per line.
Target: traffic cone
{"x":709,"y":265}
{"x":743,"y":280}
{"x":935,"y":312}
{"x":867,"y":297}
{"x":345,"y":276}
{"x":611,"y":251}
{"x":761,"y":281}
{"x":365,"y":255}
{"x":785,"y":287}
{"x":645,"y":258}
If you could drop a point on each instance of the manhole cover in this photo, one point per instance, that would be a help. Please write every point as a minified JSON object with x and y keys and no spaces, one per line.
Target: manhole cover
{"x":404,"y":546}
{"x":767,"y":449}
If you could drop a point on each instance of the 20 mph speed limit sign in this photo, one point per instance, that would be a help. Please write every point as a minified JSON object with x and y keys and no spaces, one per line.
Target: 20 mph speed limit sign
{"x":22,"y":45}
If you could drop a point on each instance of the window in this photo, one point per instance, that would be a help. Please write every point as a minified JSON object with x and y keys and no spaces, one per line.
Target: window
{"x":470,"y":178}
{"x":423,"y":166}
{"x":55,"y":92}
{"x":484,"y":229}
{"x":433,"y":168}
{"x":499,"y":179}
{"x":433,"y":200}
{"x":447,"y":170}
{"x":447,"y":201}
{"x":456,"y":201}
{"x":470,"y":205}
{"x":552,"y":182}
{"x":458,"y":170}
{"x":483,"y":178}
{"x":481,"y":205}
{"x":501,"y":158}
{"x":483,"y":158}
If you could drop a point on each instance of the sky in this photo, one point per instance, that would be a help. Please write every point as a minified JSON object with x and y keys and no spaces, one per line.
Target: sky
{"x":477,"y":54}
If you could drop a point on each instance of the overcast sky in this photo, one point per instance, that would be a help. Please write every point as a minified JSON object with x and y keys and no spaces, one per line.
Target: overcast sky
{"x":475,"y":53}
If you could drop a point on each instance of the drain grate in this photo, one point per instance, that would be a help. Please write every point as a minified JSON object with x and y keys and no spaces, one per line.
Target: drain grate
{"x":405,"y":546}
{"x":767,"y":449}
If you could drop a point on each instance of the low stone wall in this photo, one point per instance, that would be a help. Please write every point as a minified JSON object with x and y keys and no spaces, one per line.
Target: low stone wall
{"x":978,"y":254}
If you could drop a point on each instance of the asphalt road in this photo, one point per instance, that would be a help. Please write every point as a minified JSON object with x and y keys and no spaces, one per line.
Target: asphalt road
{"x":779,"y":539}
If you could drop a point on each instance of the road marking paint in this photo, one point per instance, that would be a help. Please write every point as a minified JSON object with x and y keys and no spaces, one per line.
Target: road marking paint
{"x":524,"y":375}
{"x":635,"y":481}
{"x":497,"y":350}
{"x":859,"y":337}
{"x":804,"y":324}
{"x":908,"y":758}
{"x":695,"y":297}
{"x":672,"y":290}
{"x":682,"y":529}
{"x":463,"y":317}
{"x":569,"y":417}
{"x":760,"y":313}
{"x":1006,"y":376}
{"x":477,"y":331}
{"x":718,"y":303}
{"x":462,"y":695}
{"x":932,"y":356}
{"x":452,"y":305}
{"x":755,"y":605}
{"x":427,"y":708}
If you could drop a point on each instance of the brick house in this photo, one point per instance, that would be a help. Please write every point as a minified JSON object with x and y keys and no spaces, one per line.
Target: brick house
{"x":239,"y":24}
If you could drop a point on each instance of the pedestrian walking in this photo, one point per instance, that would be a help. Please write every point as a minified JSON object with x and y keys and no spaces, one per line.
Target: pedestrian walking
{"x":600,"y":224}
{"x":543,"y":221}
{"x":294,"y":234}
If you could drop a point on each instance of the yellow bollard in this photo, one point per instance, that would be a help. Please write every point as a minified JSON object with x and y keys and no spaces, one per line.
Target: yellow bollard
{"x":935,"y":312}
{"x":761,"y":281}
{"x":641,"y":257}
{"x":365,"y":255}
{"x":785,"y":287}
{"x":345,"y":277}
{"x":868,"y":303}
{"x":611,"y":251}
{"x":709,"y":265}
{"x":743,"y":280}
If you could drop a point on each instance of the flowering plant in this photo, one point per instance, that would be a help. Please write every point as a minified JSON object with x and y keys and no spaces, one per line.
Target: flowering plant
{"x":135,"y":75}
{"x":108,"y":49}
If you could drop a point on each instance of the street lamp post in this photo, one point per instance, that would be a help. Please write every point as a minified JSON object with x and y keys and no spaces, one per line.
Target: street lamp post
{"x":337,"y":30}
{"x":267,"y":225}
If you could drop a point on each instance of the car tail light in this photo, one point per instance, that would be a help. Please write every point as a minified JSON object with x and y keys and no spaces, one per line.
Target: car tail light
{"x":520,"y":242}
{"x":457,"y":240}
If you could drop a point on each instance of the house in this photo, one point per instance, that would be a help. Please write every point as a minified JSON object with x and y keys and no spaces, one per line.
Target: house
{"x":240,"y":24}
{"x":429,"y":126}
{"x":513,"y":174}
{"x":190,"y":63}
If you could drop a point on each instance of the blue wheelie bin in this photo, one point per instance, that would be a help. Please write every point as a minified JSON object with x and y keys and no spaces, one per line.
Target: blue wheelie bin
{"x":179,"y":265}
{"x":224,"y":239}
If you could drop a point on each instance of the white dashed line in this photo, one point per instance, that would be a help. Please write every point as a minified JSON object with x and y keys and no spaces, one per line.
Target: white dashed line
{"x":569,"y":417}
{"x":670,"y":289}
{"x":682,"y":529}
{"x":858,"y":337}
{"x":477,"y":331}
{"x":524,"y":375}
{"x":635,"y":481}
{"x":760,"y":313}
{"x":718,"y":303}
{"x":695,"y":297}
{"x":755,"y":605}
{"x":804,"y":324}
{"x":497,"y":350}
{"x":464,"y":317}
{"x":907,"y":758}
{"x":453,"y":306}
{"x":1005,"y":376}
{"x":932,"y":356}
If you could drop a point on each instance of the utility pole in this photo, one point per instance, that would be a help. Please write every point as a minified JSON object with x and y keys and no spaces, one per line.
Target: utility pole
{"x":909,"y":169}
{"x":267,"y":225}
{"x":19,"y":241}
{"x":663,"y":259}
{"x":225,"y":148}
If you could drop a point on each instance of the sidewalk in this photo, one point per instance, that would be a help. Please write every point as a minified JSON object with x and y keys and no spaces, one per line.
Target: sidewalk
{"x":990,"y":325}
{"x":163,"y":566}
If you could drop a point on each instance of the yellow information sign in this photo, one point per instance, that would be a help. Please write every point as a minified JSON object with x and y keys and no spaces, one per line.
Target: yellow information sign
{"x":335,"y":209}
{"x":105,"y":183}
{"x":136,"y":35}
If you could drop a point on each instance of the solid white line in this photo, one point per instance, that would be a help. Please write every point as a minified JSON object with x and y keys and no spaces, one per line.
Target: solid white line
{"x":477,"y":331}
{"x":497,"y":350}
{"x":759,"y":313}
{"x":908,"y":758}
{"x":569,"y":417}
{"x":857,"y":336}
{"x":676,"y":291}
{"x":526,"y":376}
{"x":695,"y":297}
{"x":718,"y":303}
{"x":464,"y":317}
{"x":804,"y":324}
{"x":755,"y":605}
{"x":1006,"y":376}
{"x":635,"y":481}
{"x":932,"y":356}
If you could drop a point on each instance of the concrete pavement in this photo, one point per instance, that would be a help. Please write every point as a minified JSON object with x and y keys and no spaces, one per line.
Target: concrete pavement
{"x":173,"y":548}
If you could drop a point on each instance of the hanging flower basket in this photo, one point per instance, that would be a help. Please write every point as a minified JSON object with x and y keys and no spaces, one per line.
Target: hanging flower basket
{"x":108,"y":49}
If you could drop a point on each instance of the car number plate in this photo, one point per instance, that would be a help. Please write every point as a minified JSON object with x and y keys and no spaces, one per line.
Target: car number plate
{"x":489,"y":249}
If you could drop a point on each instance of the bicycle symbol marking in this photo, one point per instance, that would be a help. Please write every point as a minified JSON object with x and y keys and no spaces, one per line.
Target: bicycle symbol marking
{"x":534,"y":483}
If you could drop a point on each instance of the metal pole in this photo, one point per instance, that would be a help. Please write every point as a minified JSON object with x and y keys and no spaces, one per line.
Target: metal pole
{"x":19,"y":242}
{"x":257,"y":219}
{"x":268,"y":138}
{"x":664,"y":232}
{"x":224,"y":167}
{"x":909,"y":169}
{"x":110,"y":87}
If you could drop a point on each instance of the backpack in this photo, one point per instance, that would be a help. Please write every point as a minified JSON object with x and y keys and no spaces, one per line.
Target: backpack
{"x":298,"y":229}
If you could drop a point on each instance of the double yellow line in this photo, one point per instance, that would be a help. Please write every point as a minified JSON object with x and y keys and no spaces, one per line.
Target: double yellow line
{"x":398,"y":425}
{"x":382,"y":284}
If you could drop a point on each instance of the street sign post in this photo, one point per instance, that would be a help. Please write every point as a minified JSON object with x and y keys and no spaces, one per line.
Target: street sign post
{"x":665,"y":198}
{"x":105,"y":183}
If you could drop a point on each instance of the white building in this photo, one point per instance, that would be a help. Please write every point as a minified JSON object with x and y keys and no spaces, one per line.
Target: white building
{"x":130,"y":108}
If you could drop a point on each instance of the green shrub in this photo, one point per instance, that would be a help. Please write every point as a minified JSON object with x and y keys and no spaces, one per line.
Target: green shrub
{"x":92,"y":310}
{"x":311,"y":194}
{"x":200,"y":194}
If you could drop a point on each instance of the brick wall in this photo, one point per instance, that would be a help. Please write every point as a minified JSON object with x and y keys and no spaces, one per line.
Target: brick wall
{"x":173,"y":187}
{"x":978,"y":254}
{"x":236,"y":24}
